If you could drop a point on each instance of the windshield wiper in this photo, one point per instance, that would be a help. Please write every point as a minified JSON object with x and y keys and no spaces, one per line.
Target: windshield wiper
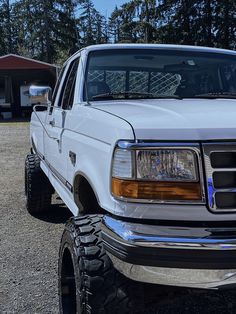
{"x":138,"y":94}
{"x":125,"y":94}
{"x":216,"y":95}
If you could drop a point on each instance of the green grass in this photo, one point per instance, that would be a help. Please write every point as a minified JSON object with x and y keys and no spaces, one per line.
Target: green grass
{"x":14,"y":123}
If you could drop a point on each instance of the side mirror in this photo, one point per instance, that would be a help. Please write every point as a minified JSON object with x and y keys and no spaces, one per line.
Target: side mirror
{"x":40,"y":95}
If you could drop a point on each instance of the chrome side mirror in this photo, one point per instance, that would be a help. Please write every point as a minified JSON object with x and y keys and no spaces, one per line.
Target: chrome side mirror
{"x":40,"y":95}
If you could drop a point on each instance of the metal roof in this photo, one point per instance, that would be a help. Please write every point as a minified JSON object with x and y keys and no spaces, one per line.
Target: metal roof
{"x":16,"y":62}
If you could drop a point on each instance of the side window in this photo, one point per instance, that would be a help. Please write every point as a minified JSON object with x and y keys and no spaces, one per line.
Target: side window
{"x":68,"y":88}
{"x":57,"y":85}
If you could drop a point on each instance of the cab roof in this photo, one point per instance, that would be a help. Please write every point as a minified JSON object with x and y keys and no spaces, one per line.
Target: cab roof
{"x":158,"y":46}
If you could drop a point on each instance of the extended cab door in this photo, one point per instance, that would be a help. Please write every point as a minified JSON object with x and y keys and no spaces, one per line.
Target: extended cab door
{"x":55,"y":155}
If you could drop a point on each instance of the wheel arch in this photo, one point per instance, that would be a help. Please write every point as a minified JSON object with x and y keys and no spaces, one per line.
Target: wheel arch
{"x":85,"y":195}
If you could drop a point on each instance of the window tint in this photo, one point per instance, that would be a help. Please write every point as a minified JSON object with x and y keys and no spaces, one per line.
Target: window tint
{"x":57,"y":85}
{"x":69,"y":86}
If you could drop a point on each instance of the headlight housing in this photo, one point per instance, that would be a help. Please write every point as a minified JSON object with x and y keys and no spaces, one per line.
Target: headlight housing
{"x":161,"y":174}
{"x":166,"y":165}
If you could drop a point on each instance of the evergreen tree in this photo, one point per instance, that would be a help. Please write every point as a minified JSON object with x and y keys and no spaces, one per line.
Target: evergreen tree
{"x":114,"y":25}
{"x":51,"y":30}
{"x":6,"y":34}
{"x":46,"y":30}
{"x":226,"y":24}
{"x":148,"y":18}
{"x":92,"y":24}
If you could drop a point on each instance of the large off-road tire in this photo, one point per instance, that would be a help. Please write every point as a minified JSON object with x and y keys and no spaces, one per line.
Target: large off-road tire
{"x":88,"y":282}
{"x":38,"y":189}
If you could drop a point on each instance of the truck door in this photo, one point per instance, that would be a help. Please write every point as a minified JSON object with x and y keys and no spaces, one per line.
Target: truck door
{"x":55,"y":154}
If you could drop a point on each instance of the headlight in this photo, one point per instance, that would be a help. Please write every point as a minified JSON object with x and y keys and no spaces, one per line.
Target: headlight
{"x":166,"y":165}
{"x":163,"y":174}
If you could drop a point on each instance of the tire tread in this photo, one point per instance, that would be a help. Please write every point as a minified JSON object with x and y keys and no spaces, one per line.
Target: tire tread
{"x":38,"y":189}
{"x":104,"y":289}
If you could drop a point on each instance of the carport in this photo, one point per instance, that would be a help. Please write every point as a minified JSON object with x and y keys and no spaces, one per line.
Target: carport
{"x":16,"y":75}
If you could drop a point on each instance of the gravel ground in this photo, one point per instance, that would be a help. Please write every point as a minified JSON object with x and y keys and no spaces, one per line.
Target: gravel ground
{"x":29,"y":246}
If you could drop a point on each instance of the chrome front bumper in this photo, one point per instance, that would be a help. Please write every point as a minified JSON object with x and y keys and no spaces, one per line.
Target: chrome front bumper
{"x":193,"y":257}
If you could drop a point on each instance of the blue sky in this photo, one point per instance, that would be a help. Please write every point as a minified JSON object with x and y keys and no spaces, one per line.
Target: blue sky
{"x":107,"y":6}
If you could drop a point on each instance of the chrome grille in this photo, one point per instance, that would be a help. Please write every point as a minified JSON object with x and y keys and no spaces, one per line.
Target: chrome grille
{"x":220,"y":165}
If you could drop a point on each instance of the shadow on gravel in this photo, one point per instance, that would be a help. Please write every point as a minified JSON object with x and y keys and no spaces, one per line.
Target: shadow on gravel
{"x":57,"y":214}
{"x":196,"y":302}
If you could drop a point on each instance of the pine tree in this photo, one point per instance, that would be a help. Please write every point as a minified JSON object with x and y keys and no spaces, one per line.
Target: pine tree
{"x":45,"y":30}
{"x":226,"y":24}
{"x":114,"y":25}
{"x":148,"y":19}
{"x":6,"y":34}
{"x":51,"y":30}
{"x":92,"y":24}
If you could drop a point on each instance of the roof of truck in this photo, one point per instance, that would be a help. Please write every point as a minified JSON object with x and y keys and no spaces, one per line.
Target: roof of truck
{"x":158,"y":46}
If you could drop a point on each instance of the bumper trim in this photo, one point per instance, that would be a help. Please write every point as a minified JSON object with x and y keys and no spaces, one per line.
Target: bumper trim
{"x":191,"y":278}
{"x":181,"y":256}
{"x":170,"y":237}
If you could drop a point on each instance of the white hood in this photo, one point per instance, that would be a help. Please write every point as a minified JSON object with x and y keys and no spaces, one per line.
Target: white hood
{"x":167,"y":119}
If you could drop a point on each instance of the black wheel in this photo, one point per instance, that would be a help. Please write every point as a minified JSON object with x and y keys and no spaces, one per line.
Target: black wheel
{"x":88,"y":282}
{"x":38,"y":189}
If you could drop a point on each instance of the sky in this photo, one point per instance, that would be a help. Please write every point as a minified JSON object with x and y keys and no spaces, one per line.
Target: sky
{"x":107,"y":6}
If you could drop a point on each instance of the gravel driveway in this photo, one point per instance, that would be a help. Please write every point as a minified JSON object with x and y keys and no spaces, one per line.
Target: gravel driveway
{"x":29,"y":246}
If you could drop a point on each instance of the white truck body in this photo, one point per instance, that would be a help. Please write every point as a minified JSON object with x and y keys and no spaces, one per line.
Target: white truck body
{"x":79,"y":142}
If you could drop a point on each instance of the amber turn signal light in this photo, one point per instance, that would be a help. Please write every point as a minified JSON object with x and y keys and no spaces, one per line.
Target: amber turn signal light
{"x":166,"y":191}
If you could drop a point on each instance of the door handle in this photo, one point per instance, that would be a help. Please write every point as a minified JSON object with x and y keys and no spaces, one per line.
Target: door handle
{"x":52,"y":122}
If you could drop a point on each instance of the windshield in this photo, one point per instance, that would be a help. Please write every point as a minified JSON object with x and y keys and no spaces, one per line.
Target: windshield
{"x":158,"y":73}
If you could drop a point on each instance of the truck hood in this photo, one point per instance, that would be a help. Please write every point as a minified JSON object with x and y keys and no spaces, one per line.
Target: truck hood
{"x":187,"y":119}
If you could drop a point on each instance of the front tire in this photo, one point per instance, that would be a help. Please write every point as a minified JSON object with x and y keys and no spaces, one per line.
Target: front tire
{"x":38,"y":189}
{"x":88,"y":282}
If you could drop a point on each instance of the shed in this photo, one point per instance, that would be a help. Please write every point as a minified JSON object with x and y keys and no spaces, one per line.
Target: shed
{"x":16,"y":75}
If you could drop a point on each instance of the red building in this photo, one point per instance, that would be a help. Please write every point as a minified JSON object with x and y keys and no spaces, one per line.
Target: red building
{"x":16,"y":75}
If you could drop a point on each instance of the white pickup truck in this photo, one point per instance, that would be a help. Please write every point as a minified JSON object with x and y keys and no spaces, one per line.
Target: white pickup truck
{"x":139,"y":141}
